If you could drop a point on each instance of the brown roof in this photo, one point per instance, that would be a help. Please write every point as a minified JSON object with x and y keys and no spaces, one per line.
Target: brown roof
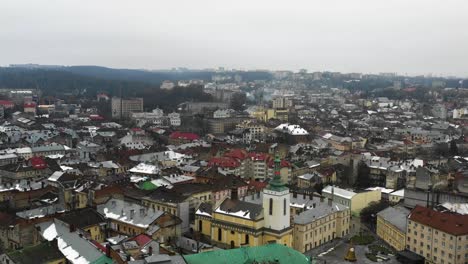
{"x":450,"y":223}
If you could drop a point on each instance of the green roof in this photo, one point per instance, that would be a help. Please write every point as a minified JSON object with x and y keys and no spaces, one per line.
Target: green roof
{"x":41,"y":253}
{"x":269,"y":253}
{"x":276,"y":184}
{"x":147,"y":186}
{"x":103,"y":260}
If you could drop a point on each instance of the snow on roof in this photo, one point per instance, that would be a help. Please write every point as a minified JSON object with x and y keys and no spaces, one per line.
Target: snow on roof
{"x":56,"y":175}
{"x":144,"y":168}
{"x":400,"y":193}
{"x":294,"y":130}
{"x":339,"y":192}
{"x":178,"y":178}
{"x":22,"y":185}
{"x":382,"y":189}
{"x":8,"y":156}
{"x":75,"y":248}
{"x":240,"y":213}
{"x":40,"y":211}
{"x":130,"y":213}
{"x":202,"y":213}
{"x":460,"y":208}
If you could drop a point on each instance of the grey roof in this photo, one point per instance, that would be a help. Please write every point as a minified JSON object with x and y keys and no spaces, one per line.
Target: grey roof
{"x":396,"y":216}
{"x":234,"y":207}
{"x":321,"y":210}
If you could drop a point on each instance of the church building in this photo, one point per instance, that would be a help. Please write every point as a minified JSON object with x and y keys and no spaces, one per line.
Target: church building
{"x":235,"y":223}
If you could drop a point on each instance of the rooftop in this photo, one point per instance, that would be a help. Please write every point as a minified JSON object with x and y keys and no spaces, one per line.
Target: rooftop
{"x":397,"y":216}
{"x":450,"y":223}
{"x":269,"y":253}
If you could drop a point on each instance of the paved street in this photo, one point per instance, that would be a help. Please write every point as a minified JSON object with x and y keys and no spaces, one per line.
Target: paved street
{"x":337,"y":250}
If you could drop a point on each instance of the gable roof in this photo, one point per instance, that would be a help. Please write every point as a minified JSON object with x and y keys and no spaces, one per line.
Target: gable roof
{"x":450,"y":223}
{"x":240,"y":209}
{"x":82,"y":218}
{"x":42,"y":253}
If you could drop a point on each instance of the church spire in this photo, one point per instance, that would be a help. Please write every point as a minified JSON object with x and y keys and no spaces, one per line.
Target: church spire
{"x":276,"y":184}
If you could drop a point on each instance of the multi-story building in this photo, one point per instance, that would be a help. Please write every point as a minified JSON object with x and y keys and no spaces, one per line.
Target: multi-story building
{"x":320,"y":224}
{"x":235,"y":223}
{"x":282,"y":102}
{"x":391,"y":226}
{"x":439,"y":237}
{"x":355,"y":201}
{"x":123,"y":108}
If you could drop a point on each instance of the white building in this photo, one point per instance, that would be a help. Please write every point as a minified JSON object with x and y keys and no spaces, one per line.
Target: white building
{"x":167,"y":85}
{"x":223,"y":113}
{"x":174,"y":119}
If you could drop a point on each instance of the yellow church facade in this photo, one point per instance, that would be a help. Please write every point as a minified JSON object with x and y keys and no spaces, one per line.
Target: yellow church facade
{"x":235,"y":223}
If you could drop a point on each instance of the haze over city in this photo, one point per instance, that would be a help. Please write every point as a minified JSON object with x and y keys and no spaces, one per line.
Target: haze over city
{"x":408,"y":37}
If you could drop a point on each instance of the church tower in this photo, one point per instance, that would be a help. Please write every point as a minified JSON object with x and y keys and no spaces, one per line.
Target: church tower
{"x":276,"y":202}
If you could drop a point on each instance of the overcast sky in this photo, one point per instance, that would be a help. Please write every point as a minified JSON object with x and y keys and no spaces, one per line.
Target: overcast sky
{"x":404,"y":36}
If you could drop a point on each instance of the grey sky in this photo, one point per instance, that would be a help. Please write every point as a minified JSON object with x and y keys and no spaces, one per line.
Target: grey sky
{"x":405,"y":36}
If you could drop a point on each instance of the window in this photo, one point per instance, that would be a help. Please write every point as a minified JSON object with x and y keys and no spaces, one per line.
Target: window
{"x":284,"y":206}
{"x":219,"y":234}
{"x":271,"y":206}
{"x":200,"y":225}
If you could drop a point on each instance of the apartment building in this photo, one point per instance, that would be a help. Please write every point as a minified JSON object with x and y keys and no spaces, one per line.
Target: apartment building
{"x":439,"y":237}
{"x":282,"y":102}
{"x":321,"y":224}
{"x":391,"y":226}
{"x":123,"y":108}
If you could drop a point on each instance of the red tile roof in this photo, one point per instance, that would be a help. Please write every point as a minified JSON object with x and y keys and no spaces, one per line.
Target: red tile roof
{"x":38,"y":163}
{"x":29,"y":105}
{"x":184,"y":135}
{"x":283,"y":164}
{"x":223,"y":162}
{"x":240,"y":154}
{"x":99,"y":245}
{"x":259,"y":156}
{"x":7,"y":103}
{"x":257,"y":185}
{"x":450,"y":223}
{"x":141,"y":239}
{"x":96,"y":117}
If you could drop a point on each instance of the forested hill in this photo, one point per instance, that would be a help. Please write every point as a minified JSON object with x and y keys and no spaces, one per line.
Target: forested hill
{"x":94,"y":78}
{"x":157,"y":77}
{"x":89,"y":80}
{"x":56,"y":82}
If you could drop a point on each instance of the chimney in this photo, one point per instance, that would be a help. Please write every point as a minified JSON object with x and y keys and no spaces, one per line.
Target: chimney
{"x":142,"y":212}
{"x":108,"y":249}
{"x":258,"y":194}
{"x":234,"y":195}
{"x":294,"y":194}
{"x":72,"y":228}
{"x":150,"y":250}
{"x":330,"y":202}
{"x":304,"y":195}
{"x":132,"y":213}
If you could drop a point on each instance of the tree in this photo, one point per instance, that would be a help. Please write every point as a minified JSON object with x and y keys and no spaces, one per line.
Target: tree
{"x":369,"y":214}
{"x":363,"y":175}
{"x":238,"y":101}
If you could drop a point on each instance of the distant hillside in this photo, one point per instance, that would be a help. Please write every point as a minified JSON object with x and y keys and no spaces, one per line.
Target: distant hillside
{"x":56,"y":82}
{"x":60,"y":83}
{"x":157,"y":77}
